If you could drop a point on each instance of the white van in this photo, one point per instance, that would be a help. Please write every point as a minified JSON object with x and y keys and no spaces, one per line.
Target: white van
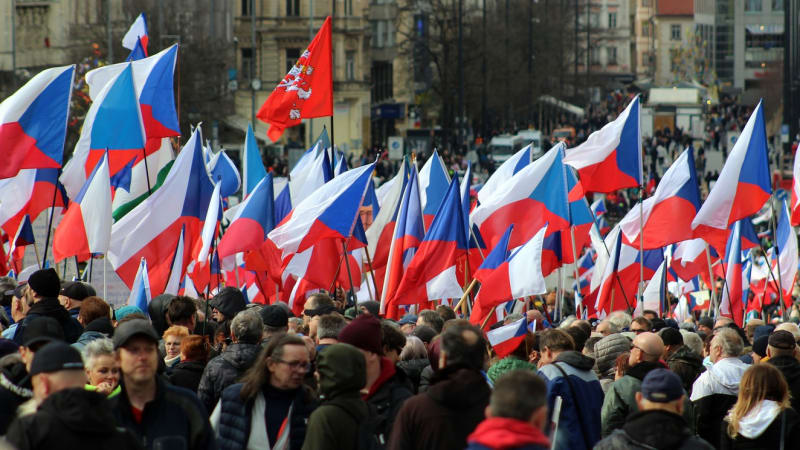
{"x":534,"y":138}
{"x":501,"y":147}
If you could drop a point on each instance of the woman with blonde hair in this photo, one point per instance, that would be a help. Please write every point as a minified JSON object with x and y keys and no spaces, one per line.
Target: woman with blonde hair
{"x":761,"y":418}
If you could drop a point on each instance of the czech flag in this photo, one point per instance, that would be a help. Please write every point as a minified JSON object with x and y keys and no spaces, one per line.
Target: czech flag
{"x":611,"y":158}
{"x":796,"y":191}
{"x":85,"y":228}
{"x":33,"y":122}
{"x":137,"y":32}
{"x":29,"y":193}
{"x":506,"y":339}
{"x":254,"y":220}
{"x":786,"y":244}
{"x":508,"y":169}
{"x":655,"y":293}
{"x":252,"y":165}
{"x":666,"y":217}
{"x":431,"y":275}
{"x":380,"y":233}
{"x":743,"y":185}
{"x":519,"y":276}
{"x":140,"y":290}
{"x":689,"y":259}
{"x":732,"y":303}
{"x":535,"y":196}
{"x":152,"y":229}
{"x":315,"y":175}
{"x":176,"y":271}
{"x":224,"y":171}
{"x":433,"y":182}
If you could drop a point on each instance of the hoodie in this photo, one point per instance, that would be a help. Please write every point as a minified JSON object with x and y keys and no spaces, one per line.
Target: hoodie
{"x":507,"y":433}
{"x":764,"y":427}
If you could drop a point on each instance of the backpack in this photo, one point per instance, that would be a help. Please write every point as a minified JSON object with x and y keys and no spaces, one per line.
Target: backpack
{"x":369,"y":437}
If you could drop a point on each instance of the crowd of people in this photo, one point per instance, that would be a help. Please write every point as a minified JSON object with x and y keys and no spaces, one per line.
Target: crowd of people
{"x":77,"y":373}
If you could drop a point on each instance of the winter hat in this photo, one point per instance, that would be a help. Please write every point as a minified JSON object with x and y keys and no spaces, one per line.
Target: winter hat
{"x":760,"y":345}
{"x":371,"y":306}
{"x":55,"y":357}
{"x":229,"y":301}
{"x":782,"y":339}
{"x":101,"y":325}
{"x":128,"y":310}
{"x":671,"y":336}
{"x":363,"y":332}
{"x":661,"y":386}
{"x":76,"y":290}
{"x":45,"y":282}
{"x":274,"y":316}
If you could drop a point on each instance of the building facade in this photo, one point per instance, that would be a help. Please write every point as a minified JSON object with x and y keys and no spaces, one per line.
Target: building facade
{"x":674,"y":28}
{"x":604,"y":40}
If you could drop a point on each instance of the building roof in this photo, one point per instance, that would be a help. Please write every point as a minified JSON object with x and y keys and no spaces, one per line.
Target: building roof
{"x":675,"y":7}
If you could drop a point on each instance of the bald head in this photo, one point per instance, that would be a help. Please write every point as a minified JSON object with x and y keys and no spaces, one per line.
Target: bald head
{"x":791,"y":328}
{"x":646,"y":347}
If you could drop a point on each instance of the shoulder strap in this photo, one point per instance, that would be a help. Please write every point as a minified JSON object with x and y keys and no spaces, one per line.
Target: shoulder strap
{"x":574,"y":400}
{"x":783,"y":429}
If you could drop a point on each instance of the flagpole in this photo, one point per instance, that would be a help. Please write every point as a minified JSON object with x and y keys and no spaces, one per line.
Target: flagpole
{"x":105,"y":269}
{"x":778,"y":256}
{"x":641,"y":242}
{"x":772,"y":275}
{"x":52,"y":213}
{"x":575,"y":264}
{"x":91,"y":266}
{"x":347,"y":265}
{"x":36,"y":251}
{"x":372,"y":272}
{"x":713,"y":287}
{"x":619,"y":282}
{"x":146,"y":169}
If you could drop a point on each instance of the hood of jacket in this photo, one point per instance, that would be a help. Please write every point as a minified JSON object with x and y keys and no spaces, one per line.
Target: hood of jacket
{"x":606,"y":351}
{"x":240,"y":355}
{"x":658,"y":429}
{"x":503,"y":432}
{"x":459,"y":387}
{"x":643,"y":368}
{"x":82,"y":411}
{"x":576,"y":359}
{"x":727,"y":373}
{"x":89,"y":336}
{"x":758,"y":419}
{"x":342,"y":371}
{"x":157,"y":310}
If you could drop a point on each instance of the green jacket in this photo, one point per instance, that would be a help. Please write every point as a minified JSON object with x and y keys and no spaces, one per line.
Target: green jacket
{"x":620,"y":400}
{"x":342,"y":375}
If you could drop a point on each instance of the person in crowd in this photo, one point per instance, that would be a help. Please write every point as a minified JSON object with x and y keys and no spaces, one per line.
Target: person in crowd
{"x":407,"y":323}
{"x":270,"y":407}
{"x":95,"y":317}
{"x":445,"y":312}
{"x":227,"y":304}
{"x":620,"y":320}
{"x":182,"y":311}
{"x":102,"y":367}
{"x":393,"y":341}
{"x":370,"y":307}
{"x":7,"y":287}
{"x":226,"y":369}
{"x":316,"y":305}
{"x":516,"y":415}
{"x":715,"y":390}
{"x":20,"y":305}
{"x":328,"y":328}
{"x":159,"y":415}
{"x":569,"y":374}
{"x":680,"y":359}
{"x":659,"y":423}
{"x":606,"y":352}
{"x":336,"y":423}
{"x":449,"y":410}
{"x":172,"y":344}
{"x":640,"y":325}
{"x":693,"y":341}
{"x":783,"y":353}
{"x":188,"y":372}
{"x":387,"y":387}
{"x":648,"y":314}
{"x":72,"y":295}
{"x":762,"y":417}
{"x":157,"y":311}
{"x":519,"y":359}
{"x":413,"y":359}
{"x":579,"y":337}
{"x":605,"y":328}
{"x":431,"y":318}
{"x":276,"y":322}
{"x":67,"y":416}
{"x":43,"y":289}
{"x":706,"y":325}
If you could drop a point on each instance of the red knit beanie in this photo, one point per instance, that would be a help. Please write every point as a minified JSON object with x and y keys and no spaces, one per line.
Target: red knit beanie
{"x":364,"y":332}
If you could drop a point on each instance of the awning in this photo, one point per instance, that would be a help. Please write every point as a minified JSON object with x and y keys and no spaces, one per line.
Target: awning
{"x":570,"y":108}
{"x":775,"y":28}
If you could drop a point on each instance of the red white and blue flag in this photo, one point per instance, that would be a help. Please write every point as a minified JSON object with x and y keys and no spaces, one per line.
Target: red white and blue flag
{"x":433,"y":182}
{"x":508,"y":169}
{"x":176,"y":271}
{"x":786,"y":244}
{"x":252,"y":165}
{"x":29,"y":193}
{"x":254,"y":220}
{"x":137,"y":32}
{"x":732,"y":303}
{"x":140,"y":290}
{"x":506,"y":339}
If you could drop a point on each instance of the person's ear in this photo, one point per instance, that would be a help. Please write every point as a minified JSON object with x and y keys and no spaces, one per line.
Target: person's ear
{"x":442,"y":360}
{"x":639,"y":398}
{"x":769,"y":353}
{"x":487,"y":411}
{"x":539,"y":418}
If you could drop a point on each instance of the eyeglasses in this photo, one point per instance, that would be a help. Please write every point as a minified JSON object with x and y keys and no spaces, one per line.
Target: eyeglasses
{"x":638,"y":331}
{"x":295,"y":365}
{"x":640,"y":349}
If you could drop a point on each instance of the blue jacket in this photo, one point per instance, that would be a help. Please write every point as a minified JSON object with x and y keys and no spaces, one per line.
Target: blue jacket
{"x":582,"y":399}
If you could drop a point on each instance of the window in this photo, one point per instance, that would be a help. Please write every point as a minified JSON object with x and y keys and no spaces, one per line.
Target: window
{"x":777,"y":5}
{"x":247,"y":59}
{"x":646,"y":28}
{"x":293,"y":7}
{"x":350,"y":65}
{"x":646,"y":3}
{"x":292,"y":55}
{"x":612,"y":56}
{"x":246,"y":7}
{"x":675,"y":32}
{"x":612,"y":20}
{"x":389,"y":38}
{"x":348,"y":7}
{"x":594,"y":20}
{"x":752,"y":5}
{"x":594,"y":56}
{"x":378,"y":33}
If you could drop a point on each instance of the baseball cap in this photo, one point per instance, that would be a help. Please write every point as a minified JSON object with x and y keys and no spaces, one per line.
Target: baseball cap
{"x":55,"y":357}
{"x":274,"y":316}
{"x":661,"y":386}
{"x":136,"y":327}
{"x":77,"y":290}
{"x":408,"y":318}
{"x":782,"y":339}
{"x":42,"y":329}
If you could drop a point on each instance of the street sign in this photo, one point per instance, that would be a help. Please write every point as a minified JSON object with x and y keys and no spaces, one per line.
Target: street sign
{"x":395,"y":147}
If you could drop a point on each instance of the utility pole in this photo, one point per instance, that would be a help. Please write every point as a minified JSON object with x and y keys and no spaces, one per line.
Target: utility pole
{"x":484,"y":112}
{"x":460,"y":120}
{"x":108,"y":30}
{"x":575,"y":77}
{"x":310,"y":38}
{"x":14,"y":45}
{"x":253,"y":83}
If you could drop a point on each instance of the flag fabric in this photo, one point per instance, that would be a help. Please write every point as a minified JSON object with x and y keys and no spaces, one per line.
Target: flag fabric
{"x":506,"y":339}
{"x":224,"y":171}
{"x":433,"y":182}
{"x":666,"y":217}
{"x":519,"y":276}
{"x":611,"y":158}
{"x":466,"y":201}
{"x":743,"y":185}
{"x":431,"y":275}
{"x":599,"y":207}
{"x":176,"y":271}
{"x":508,"y":169}
{"x":618,"y":281}
{"x":283,"y":201}
{"x":152,"y":229}
{"x":535,"y":195}
{"x":254,"y":220}
{"x":654,"y":294}
{"x":786,"y":245}
{"x":85,"y":228}
{"x":140,"y":290}
{"x":795,"y":198}
{"x":144,"y":179}
{"x":495,"y":258}
{"x":409,"y":232}
{"x":17,"y":244}
{"x":689,"y":259}
{"x":210,"y":227}
{"x":316,"y":174}
{"x":306,"y":91}
{"x":137,"y":32}
{"x":252,"y":165}
{"x":29,"y":193}
{"x":380,"y":233}
{"x":24,"y":234}
{"x":33,"y":122}
{"x":732,"y":304}
{"x":138,"y":52}
{"x":329,"y":212}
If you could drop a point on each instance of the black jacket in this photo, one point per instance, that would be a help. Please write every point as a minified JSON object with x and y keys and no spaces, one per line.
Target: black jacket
{"x":235,"y":418}
{"x":413,"y":369}
{"x":175,"y":419}
{"x":653,"y":429}
{"x":15,"y":389}
{"x":770,"y":438}
{"x":225,"y":370}
{"x":50,"y":307}
{"x":688,"y":365}
{"x":389,"y":397}
{"x":71,"y":418}
{"x":187,"y":374}
{"x":790,"y":368}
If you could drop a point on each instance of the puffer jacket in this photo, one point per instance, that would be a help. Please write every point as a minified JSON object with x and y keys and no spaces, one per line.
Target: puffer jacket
{"x":225,"y":370}
{"x":606,"y":351}
{"x":413,"y":369}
